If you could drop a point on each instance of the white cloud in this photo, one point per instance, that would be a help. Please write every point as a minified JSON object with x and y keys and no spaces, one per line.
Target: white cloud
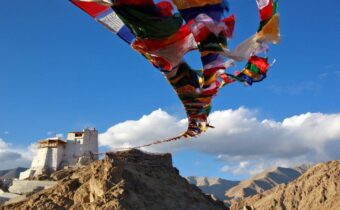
{"x":3,"y":144}
{"x":59,"y":135}
{"x":14,"y":157}
{"x":52,"y":133}
{"x":158,"y":124}
{"x":243,"y":142}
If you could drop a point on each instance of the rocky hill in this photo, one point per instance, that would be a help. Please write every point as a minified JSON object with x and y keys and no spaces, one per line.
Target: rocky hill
{"x":213,"y":186}
{"x":127,"y":180}
{"x":265,"y":181}
{"x":316,"y":189}
{"x":11,"y":173}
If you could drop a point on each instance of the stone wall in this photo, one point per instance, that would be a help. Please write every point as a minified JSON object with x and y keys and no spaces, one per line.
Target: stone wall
{"x":7,"y":196}
{"x":137,"y":157}
{"x":79,"y":146}
{"x":40,"y":160}
{"x":26,"y":186}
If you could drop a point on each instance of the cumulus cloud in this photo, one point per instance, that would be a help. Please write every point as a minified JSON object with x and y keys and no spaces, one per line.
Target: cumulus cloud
{"x":15,"y":157}
{"x":8,"y":156}
{"x":58,"y":135}
{"x":130,"y":133}
{"x":3,"y":144}
{"x":245,"y":144}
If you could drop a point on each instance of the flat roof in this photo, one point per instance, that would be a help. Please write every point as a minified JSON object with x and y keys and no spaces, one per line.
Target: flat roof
{"x":51,"y":141}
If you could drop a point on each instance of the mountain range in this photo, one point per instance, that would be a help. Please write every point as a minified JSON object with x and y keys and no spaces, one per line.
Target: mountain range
{"x":11,"y":173}
{"x":226,"y":190}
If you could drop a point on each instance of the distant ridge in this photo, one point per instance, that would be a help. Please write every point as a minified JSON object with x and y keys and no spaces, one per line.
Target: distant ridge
{"x":226,"y":190}
{"x":213,"y":186}
{"x":265,"y":181}
{"x":11,"y":173}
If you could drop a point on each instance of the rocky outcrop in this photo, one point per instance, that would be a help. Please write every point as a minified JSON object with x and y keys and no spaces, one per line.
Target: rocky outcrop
{"x":127,"y":180}
{"x":316,"y":189}
{"x":2,"y":187}
{"x":5,"y":184}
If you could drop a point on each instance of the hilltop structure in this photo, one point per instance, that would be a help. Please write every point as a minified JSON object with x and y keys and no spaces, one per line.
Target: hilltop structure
{"x":54,"y":154}
{"x":127,"y":180}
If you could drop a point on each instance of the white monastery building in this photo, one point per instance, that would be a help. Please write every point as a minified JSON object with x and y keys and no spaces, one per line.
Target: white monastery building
{"x":54,"y":154}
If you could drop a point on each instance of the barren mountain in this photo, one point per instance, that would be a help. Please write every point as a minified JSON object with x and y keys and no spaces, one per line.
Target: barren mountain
{"x":316,"y":189}
{"x":11,"y":173}
{"x":265,"y":181}
{"x":126,"y":180}
{"x":213,"y":186}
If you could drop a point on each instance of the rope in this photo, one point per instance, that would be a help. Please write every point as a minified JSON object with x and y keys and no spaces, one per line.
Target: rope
{"x":158,"y":142}
{"x":187,"y":134}
{"x":145,"y":145}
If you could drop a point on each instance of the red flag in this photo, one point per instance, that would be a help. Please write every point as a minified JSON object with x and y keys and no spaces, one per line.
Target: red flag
{"x":260,"y":63}
{"x":92,"y":8}
{"x":267,"y":11}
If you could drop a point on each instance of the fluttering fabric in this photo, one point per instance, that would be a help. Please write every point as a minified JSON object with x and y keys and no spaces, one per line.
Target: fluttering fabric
{"x":163,"y":37}
{"x":104,"y":14}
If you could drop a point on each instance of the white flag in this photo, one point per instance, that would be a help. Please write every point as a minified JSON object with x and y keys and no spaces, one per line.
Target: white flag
{"x":103,"y":2}
{"x":262,"y":3}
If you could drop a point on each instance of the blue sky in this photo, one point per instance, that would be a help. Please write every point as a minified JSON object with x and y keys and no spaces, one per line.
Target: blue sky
{"x":61,"y":71}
